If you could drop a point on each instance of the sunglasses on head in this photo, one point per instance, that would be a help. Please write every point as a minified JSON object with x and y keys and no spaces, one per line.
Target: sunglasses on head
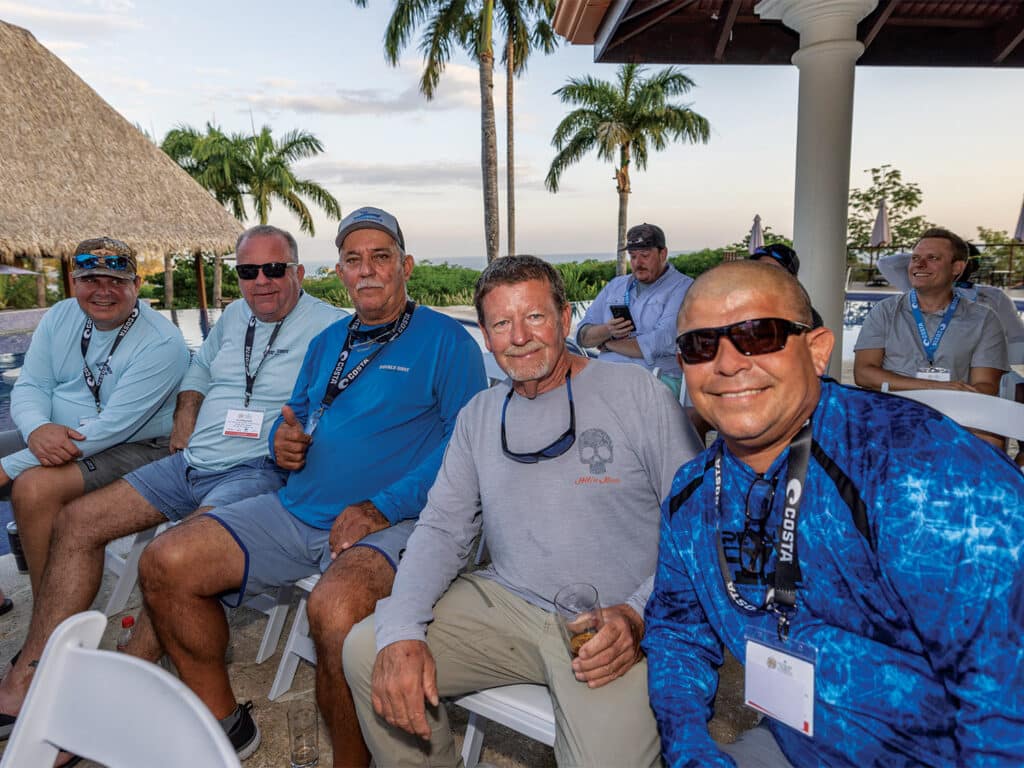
{"x":270,"y":269}
{"x":760,"y":336}
{"x":92,"y":261}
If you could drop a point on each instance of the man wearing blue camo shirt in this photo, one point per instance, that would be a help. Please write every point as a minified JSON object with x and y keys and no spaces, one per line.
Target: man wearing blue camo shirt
{"x":895,"y":587}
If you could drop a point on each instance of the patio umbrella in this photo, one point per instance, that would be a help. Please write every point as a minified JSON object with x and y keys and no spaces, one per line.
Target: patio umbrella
{"x":756,"y":235}
{"x":880,"y":234}
{"x":1018,"y":233}
{"x":7,"y":269}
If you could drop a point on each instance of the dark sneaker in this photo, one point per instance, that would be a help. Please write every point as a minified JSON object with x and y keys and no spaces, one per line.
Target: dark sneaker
{"x":245,"y":734}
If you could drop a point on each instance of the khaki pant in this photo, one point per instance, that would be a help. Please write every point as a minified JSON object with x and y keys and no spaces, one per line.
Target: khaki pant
{"x":484,"y":636}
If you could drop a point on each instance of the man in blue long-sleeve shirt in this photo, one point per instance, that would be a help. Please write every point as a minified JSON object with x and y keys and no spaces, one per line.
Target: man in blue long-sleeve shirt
{"x":871,"y":587}
{"x":363,"y":435}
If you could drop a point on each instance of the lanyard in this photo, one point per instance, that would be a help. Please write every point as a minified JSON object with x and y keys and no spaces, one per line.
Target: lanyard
{"x":92,"y":383}
{"x":629,"y":284}
{"x":337,"y":383}
{"x":931,"y":347}
{"x":780,"y":598}
{"x":250,"y":338}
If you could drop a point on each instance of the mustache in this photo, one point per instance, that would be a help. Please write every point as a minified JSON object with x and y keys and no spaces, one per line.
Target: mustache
{"x":368,"y":284}
{"x":526,"y":349}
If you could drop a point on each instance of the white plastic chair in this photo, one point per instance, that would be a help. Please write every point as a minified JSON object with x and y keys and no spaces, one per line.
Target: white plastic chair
{"x":973,"y":410}
{"x":112,"y":708}
{"x":299,"y":645}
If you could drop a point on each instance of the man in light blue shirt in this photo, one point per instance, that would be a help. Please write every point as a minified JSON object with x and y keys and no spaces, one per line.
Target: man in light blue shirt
{"x":95,"y":396}
{"x":633,"y":318}
{"x":230,"y":396}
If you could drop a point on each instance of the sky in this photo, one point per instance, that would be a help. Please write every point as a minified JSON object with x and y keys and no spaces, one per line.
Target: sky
{"x":319,"y":66}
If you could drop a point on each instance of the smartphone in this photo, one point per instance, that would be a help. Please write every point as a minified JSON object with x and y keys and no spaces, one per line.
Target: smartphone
{"x":621,"y":312}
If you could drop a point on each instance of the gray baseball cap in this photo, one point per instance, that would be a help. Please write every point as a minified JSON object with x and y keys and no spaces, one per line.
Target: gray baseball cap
{"x":370,"y":218}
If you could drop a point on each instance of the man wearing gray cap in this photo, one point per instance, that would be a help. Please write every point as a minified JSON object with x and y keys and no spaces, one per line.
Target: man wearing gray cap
{"x":95,"y":397}
{"x":633,"y":318}
{"x":363,"y":435}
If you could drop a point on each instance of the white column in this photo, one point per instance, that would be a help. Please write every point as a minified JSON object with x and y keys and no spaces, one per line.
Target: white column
{"x":828,"y":54}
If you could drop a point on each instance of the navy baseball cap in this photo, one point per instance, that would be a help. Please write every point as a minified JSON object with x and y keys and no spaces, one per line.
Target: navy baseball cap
{"x":370,"y":218}
{"x":783,"y":254}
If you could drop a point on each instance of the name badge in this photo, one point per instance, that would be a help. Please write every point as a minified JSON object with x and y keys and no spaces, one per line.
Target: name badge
{"x":779,"y":681}
{"x":313,"y":421}
{"x":243,"y":423}
{"x":933,"y":374}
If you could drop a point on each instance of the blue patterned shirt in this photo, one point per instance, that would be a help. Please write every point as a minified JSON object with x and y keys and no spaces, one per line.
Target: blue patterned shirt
{"x":909,"y":543}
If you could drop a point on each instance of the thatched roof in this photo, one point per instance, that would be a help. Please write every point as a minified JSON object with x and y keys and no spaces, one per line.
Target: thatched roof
{"x":71,"y":168}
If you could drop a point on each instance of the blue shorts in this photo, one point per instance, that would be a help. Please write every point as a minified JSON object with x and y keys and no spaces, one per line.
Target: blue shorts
{"x":281,"y":549}
{"x":177,"y":490}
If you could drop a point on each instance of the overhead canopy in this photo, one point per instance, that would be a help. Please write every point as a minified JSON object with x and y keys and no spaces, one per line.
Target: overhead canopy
{"x":901,"y":33}
{"x":71,"y":168}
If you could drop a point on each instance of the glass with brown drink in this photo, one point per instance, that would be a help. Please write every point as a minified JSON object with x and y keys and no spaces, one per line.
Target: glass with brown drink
{"x":579,"y":615}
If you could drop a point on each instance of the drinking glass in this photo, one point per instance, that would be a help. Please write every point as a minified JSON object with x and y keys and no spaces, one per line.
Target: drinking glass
{"x":303,"y":734}
{"x":579,"y":615}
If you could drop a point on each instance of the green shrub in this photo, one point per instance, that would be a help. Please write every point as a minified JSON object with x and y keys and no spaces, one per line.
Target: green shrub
{"x":186,"y":290}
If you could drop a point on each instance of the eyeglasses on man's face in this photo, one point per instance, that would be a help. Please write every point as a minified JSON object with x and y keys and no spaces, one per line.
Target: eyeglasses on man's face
{"x":760,"y":336}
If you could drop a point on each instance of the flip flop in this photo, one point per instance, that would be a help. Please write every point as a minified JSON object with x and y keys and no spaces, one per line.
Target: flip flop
{"x":6,"y":606}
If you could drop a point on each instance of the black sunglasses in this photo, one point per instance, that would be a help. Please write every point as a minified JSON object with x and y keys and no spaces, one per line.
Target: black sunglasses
{"x":760,"y":336}
{"x":92,"y":261}
{"x":754,"y":542}
{"x":553,"y":451}
{"x":270,"y":269}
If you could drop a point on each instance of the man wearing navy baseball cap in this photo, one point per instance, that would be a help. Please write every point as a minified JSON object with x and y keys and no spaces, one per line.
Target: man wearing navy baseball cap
{"x":633,"y":318}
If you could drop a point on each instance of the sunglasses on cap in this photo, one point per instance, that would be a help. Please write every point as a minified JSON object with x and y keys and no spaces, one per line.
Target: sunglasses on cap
{"x":92,"y":261}
{"x":760,"y":336}
{"x":270,"y":269}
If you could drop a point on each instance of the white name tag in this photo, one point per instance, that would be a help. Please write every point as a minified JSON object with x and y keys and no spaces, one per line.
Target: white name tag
{"x":239,"y":423}
{"x":780,"y":684}
{"x":933,"y":374}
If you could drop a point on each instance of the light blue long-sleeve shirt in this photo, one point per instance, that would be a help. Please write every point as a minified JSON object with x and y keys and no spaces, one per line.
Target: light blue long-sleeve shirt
{"x":137,"y":396}
{"x":218,"y":373}
{"x":654,"y":308}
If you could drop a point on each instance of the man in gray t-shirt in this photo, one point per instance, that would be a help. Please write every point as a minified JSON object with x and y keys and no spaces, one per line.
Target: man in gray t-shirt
{"x":563,"y":469}
{"x":929,"y":338}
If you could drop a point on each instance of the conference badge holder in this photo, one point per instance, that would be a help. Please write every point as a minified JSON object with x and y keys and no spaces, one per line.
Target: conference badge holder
{"x":779,"y":679}
{"x":243,"y":423}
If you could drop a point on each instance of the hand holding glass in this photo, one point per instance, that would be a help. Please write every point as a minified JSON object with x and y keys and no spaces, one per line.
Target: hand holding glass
{"x":579,"y":615}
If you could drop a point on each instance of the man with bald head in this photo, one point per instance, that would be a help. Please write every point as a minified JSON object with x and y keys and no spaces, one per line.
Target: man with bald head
{"x":872,"y":597}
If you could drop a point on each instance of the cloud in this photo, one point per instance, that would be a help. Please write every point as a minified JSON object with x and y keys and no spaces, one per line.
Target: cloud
{"x":63,"y":46}
{"x":109,"y":16}
{"x":403,"y":176}
{"x":458,"y":89}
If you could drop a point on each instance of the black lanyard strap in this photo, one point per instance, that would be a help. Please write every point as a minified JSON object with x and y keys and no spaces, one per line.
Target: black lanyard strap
{"x":338,"y":383}
{"x":780,"y":598}
{"x":250,"y":338}
{"x":94,"y":383}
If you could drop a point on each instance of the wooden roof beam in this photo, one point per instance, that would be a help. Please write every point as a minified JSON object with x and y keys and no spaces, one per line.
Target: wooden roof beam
{"x":888,"y":6}
{"x":725,"y":30}
{"x":678,"y":6}
{"x":1009,"y":35}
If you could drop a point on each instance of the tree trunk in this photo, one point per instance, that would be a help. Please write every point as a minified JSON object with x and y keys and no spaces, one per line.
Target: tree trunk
{"x":37,"y":265}
{"x":622,"y":186}
{"x":168,"y":281}
{"x":218,"y":281}
{"x":200,"y":264}
{"x":510,"y":144}
{"x":488,"y":135}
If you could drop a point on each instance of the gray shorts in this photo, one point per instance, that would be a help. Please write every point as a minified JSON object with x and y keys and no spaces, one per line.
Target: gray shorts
{"x":104,"y":467}
{"x":281,"y":549}
{"x":176,"y":490}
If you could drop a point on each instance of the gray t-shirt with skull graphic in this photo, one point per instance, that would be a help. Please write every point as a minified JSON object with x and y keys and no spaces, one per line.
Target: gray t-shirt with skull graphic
{"x":589,"y":515}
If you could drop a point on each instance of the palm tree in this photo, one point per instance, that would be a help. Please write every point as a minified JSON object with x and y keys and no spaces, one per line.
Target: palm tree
{"x":621,"y":120}
{"x":467,"y":24}
{"x":269,"y":175}
{"x":527,"y":25}
{"x":234,"y":166}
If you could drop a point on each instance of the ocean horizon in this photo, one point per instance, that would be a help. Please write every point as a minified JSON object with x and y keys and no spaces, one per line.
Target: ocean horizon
{"x":480,"y":262}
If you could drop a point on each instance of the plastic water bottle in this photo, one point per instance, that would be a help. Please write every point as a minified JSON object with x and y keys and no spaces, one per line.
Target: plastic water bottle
{"x":127,"y":630}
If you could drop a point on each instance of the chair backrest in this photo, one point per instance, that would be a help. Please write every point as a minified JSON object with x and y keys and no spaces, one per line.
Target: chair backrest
{"x":973,"y":410}
{"x":1015,"y":352}
{"x":112,"y":708}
